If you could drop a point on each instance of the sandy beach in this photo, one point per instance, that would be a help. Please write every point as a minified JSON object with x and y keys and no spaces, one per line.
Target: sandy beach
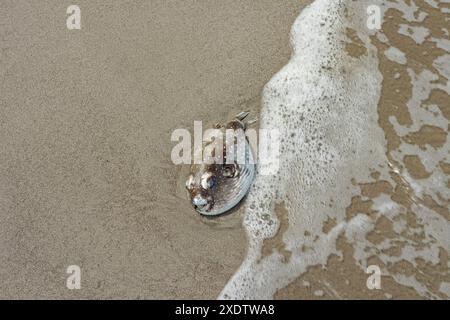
{"x":85,"y":123}
{"x":86,"y":118}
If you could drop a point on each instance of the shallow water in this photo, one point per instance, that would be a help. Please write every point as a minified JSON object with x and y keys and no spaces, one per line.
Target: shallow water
{"x":365,"y":158}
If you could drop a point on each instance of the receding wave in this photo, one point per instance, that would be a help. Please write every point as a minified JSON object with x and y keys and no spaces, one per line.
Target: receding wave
{"x":364,"y":166}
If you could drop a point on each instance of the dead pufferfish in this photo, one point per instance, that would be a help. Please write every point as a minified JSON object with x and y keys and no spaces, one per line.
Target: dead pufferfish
{"x":215,"y":188}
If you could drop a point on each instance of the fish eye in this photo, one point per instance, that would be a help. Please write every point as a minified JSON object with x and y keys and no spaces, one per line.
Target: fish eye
{"x":190,"y":182}
{"x":208,"y":181}
{"x":229,"y":171}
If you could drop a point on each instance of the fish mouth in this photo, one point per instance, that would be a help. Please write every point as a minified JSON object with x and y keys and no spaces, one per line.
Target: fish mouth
{"x":201,"y":204}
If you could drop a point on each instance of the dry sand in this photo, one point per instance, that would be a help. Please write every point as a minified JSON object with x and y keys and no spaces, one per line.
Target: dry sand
{"x":85,"y":124}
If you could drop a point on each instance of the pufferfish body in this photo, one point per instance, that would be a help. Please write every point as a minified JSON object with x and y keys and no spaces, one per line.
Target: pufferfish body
{"x":215,"y":187}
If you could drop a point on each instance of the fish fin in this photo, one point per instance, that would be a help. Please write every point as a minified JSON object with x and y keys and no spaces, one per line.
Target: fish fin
{"x":241,"y":116}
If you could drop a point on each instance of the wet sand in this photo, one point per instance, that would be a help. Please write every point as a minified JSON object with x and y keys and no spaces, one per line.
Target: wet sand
{"x":85,"y":124}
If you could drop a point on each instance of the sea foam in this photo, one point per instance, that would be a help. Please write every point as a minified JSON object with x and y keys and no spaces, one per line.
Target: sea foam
{"x":325,"y":102}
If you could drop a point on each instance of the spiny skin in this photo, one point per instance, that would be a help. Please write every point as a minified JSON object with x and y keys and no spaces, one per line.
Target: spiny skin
{"x":218,"y":185}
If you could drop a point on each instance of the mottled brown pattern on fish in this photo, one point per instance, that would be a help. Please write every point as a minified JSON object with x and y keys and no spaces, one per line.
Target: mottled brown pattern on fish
{"x":219,"y":169}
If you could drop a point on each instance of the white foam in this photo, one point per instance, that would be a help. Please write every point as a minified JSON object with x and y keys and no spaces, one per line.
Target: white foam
{"x":325,"y":103}
{"x":395,"y":55}
{"x":418,"y":34}
{"x":309,"y":99}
